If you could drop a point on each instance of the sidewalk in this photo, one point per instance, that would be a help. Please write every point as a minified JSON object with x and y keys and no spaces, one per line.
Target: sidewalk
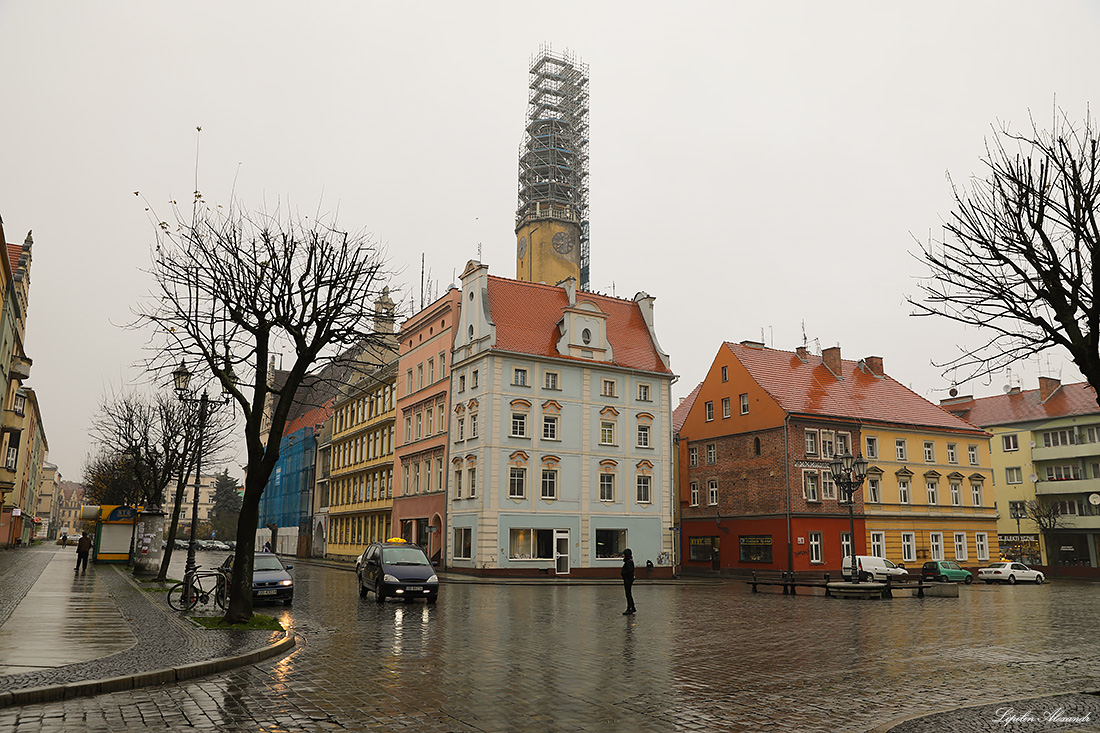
{"x":99,"y":631}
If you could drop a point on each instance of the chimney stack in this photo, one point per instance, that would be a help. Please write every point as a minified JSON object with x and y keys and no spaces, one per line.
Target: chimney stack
{"x":831,"y":358}
{"x":803,"y":355}
{"x":874,"y":365}
{"x":1047,"y":387}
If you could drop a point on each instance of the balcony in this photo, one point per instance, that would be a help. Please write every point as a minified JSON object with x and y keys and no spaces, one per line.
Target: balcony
{"x":7,"y":479}
{"x":20,"y":367}
{"x":1068,"y":486}
{"x":1063,"y":452}
{"x":11,"y":421}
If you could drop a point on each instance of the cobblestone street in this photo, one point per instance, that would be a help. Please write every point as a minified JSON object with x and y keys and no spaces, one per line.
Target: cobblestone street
{"x":695,"y":657}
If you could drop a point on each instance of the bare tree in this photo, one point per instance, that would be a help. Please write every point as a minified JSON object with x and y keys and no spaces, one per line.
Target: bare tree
{"x":1018,"y":255}
{"x":1048,"y":517}
{"x":233,"y":290}
{"x":109,"y":478}
{"x":158,"y":435}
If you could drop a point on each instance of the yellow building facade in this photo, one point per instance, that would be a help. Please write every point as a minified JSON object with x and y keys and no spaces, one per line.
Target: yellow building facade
{"x":548,"y":245}
{"x":361,"y":463}
{"x":928,"y":495}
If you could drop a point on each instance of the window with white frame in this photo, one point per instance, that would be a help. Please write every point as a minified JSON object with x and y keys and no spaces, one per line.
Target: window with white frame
{"x":1010,"y":442}
{"x":693,"y":456}
{"x":815,"y":548}
{"x":828,"y":488}
{"x":607,"y":432}
{"x":712,"y":454}
{"x":811,"y":442}
{"x":471,"y":480}
{"x":419,"y":376}
{"x":981,"y":545}
{"x":976,"y":493}
{"x":473,"y":378}
{"x":643,"y":393}
{"x":442,"y":425}
{"x":643,"y":436}
{"x":908,"y":546}
{"x":935,"y":545}
{"x":874,"y":490}
{"x":694,"y":493}
{"x":461,"y":428}
{"x":933,"y":490}
{"x":903,"y":491}
{"x":712,"y":493}
{"x":409,"y":381}
{"x":519,"y":377}
{"x":842,"y":443}
{"x":431,"y":421}
{"x":878,"y":544}
{"x":900,"y":449}
{"x":709,"y":407}
{"x":725,"y":374}
{"x":744,"y":404}
{"x":845,"y":544}
{"x":956,"y":489}
{"x":872,"y":446}
{"x":462,"y":546}
{"x":960,"y":545}
{"x":550,"y":427}
{"x":607,"y":487}
{"x":952,"y":453}
{"x":473,"y":425}
{"x":431,"y":371}
{"x":929,"y":452}
{"x":1015,"y":475}
{"x":1067,"y":472}
{"x":457,"y":488}
{"x":607,"y":387}
{"x":517,"y":483}
{"x":809,"y":485}
{"x":519,"y":424}
{"x":644,"y":484}
{"x":550,"y":380}
{"x":549,"y":483}
{"x":725,"y":407}
{"x":972,"y":454}
{"x":1055,"y":438}
{"x":828,"y":444}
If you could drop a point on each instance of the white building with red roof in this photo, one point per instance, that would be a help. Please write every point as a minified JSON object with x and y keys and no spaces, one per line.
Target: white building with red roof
{"x":560,"y":431}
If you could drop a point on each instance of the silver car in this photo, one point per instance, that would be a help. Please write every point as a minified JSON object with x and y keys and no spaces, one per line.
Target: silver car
{"x":1009,"y":572}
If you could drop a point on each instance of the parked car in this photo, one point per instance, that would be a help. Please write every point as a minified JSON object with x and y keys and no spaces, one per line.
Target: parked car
{"x":873,"y":568}
{"x":399,"y":569}
{"x":180,"y":544}
{"x":270,"y":579}
{"x":945,"y":571}
{"x":217,"y":545}
{"x":1009,"y":572}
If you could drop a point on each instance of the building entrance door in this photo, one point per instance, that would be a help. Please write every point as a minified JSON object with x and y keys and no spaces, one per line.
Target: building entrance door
{"x":561,"y":551}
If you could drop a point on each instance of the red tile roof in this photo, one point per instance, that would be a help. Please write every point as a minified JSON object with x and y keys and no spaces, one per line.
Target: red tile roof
{"x":810,"y":388}
{"x":1024,"y":406}
{"x":526,"y":316}
{"x":309,"y":418}
{"x":14,"y":251}
{"x":680,"y":414}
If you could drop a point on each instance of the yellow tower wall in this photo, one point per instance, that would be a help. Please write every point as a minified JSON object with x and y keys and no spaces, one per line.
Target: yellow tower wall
{"x":537,"y":257}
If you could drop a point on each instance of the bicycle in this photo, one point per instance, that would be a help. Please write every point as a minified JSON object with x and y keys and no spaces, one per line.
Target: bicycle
{"x":205,"y":588}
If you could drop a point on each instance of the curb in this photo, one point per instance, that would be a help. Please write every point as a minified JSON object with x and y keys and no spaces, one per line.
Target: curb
{"x":891,"y":724}
{"x":51,"y":693}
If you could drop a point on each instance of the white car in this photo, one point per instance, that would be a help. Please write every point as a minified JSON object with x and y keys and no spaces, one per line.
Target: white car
{"x":1009,"y":572}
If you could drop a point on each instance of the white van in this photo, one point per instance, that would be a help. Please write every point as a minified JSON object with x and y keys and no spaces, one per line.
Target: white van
{"x":872,"y":568}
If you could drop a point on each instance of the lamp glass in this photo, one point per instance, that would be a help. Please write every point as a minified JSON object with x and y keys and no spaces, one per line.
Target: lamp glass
{"x":861,"y":466}
{"x":181,"y":377}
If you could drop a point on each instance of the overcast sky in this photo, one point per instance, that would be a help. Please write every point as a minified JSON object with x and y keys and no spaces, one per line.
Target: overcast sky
{"x":755,"y":166}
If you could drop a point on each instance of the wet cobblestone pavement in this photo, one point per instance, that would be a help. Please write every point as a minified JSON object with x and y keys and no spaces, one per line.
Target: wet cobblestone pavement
{"x":563,"y":658}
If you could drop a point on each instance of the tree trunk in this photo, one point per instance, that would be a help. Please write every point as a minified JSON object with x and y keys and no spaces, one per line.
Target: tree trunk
{"x":240,"y":587}
{"x":163,"y":574}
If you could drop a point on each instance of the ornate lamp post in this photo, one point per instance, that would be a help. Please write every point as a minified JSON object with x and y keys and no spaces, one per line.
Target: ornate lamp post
{"x":181,"y":379}
{"x":848,"y":474}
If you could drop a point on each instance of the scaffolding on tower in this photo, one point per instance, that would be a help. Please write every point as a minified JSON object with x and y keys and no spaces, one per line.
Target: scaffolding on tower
{"x":553,"y":159}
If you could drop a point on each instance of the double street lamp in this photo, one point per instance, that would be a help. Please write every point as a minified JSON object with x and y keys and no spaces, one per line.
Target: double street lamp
{"x":181,"y":379}
{"x":848,"y":474}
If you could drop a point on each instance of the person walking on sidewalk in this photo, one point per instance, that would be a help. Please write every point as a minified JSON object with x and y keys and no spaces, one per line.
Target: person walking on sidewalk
{"x":83,"y":547}
{"x":628,"y":580}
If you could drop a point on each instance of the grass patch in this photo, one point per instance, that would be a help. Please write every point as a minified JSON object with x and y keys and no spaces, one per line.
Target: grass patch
{"x":258,"y":622}
{"x":155,"y":589}
{"x":170,"y":581}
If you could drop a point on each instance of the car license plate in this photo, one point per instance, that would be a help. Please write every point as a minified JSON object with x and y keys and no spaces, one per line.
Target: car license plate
{"x":265,"y":592}
{"x":414,"y":587}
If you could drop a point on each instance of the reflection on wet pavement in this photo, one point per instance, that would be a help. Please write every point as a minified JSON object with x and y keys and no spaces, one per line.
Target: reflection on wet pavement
{"x":89,"y":624}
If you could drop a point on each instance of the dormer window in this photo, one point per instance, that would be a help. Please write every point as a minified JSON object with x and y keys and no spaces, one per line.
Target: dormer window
{"x":586,"y":336}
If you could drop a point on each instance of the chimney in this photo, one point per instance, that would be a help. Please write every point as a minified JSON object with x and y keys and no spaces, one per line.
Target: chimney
{"x":384,"y":309}
{"x":874,"y":365}
{"x":831,"y":358}
{"x":1047,"y":387}
{"x":803,"y":354}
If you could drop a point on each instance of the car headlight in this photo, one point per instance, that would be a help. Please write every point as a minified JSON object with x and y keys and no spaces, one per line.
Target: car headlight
{"x":286,"y":582}
{"x":432,"y":579}
{"x":389,"y":578}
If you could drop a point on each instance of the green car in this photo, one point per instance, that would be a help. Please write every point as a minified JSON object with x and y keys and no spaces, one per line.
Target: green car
{"x":945,"y":571}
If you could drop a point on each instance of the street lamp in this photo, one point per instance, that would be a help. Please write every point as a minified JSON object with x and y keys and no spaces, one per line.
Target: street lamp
{"x":848,"y":474}
{"x":181,"y":379}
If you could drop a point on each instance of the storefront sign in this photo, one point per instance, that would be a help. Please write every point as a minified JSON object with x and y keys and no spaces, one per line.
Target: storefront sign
{"x":121,"y":512}
{"x":756,"y":548}
{"x":1018,"y":538}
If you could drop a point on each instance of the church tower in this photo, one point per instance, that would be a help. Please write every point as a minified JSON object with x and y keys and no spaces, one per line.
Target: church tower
{"x":552,"y":213}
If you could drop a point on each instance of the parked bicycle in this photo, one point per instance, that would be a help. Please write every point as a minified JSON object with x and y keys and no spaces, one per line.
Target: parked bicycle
{"x":205,"y":588}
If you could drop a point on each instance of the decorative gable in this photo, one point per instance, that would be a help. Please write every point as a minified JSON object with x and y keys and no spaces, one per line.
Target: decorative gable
{"x":583,"y":329}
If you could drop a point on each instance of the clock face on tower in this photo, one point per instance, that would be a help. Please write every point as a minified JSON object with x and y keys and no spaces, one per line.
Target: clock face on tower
{"x":563,"y":243}
{"x":522,"y":247}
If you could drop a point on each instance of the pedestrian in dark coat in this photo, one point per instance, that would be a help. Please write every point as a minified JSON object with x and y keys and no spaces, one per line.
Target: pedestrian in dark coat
{"x":83,"y":547}
{"x":628,"y":580}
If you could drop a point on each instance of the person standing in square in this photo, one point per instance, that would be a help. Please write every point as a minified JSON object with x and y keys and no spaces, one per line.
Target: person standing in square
{"x":628,"y":580}
{"x":83,"y":547}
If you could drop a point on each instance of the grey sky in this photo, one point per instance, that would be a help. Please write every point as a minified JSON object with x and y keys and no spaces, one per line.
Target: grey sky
{"x":753,"y":165}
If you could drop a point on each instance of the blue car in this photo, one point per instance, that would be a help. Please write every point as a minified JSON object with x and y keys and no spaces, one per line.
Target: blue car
{"x":270,"y":579}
